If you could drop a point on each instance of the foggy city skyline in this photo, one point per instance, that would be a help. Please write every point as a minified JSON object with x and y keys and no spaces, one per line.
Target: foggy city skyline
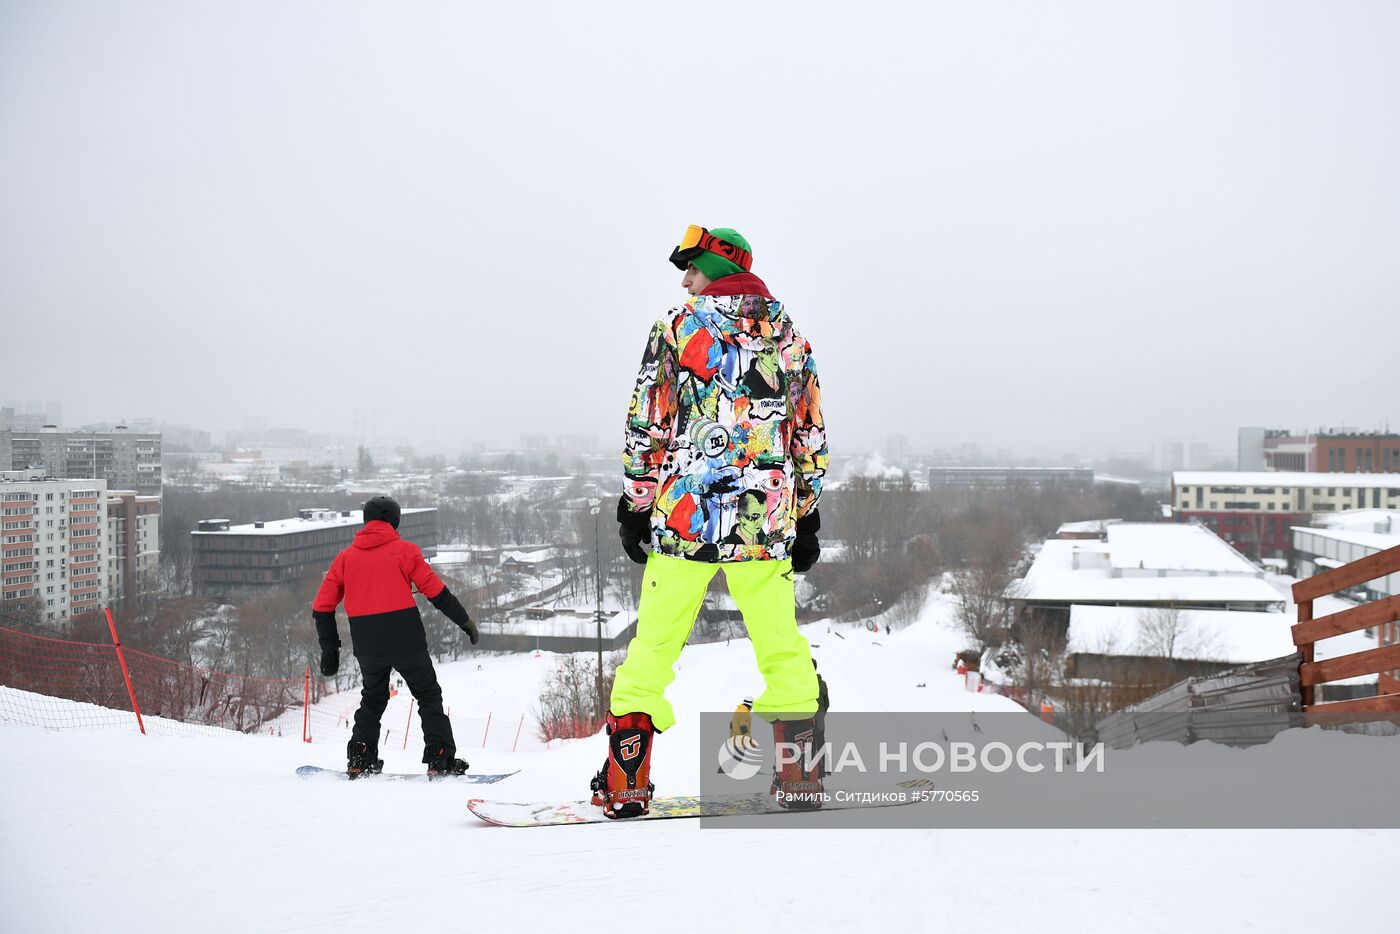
{"x":1079,"y":227}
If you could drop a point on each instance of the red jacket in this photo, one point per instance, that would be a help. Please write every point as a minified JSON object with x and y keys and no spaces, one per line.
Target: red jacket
{"x":376,"y":574}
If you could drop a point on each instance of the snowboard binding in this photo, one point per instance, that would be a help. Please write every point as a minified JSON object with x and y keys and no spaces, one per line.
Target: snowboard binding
{"x":440,"y":763}
{"x":623,"y":788}
{"x":360,"y":760}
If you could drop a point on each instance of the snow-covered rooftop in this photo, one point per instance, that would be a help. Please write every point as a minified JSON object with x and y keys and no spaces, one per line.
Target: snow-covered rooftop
{"x":322,"y":519}
{"x":1284,"y":478}
{"x":537,"y":556}
{"x":1363,"y":520}
{"x":1095,"y":526}
{"x":562,"y":625}
{"x":1082,"y":586}
{"x":1377,"y":540}
{"x":1173,"y":546}
{"x":1150,"y":563}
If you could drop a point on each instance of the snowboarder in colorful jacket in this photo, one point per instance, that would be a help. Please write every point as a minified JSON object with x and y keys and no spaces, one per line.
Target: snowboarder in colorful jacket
{"x":375,"y":577}
{"x":724,"y":458}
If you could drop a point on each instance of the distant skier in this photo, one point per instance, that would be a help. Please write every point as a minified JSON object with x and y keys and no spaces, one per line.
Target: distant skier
{"x":376,"y":576}
{"x":724,"y":460}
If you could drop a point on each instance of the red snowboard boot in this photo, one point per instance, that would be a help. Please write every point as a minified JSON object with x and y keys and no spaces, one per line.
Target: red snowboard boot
{"x":796,"y":787}
{"x":623,"y":788}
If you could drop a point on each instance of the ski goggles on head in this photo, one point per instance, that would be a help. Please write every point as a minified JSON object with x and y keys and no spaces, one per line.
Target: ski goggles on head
{"x":698,"y":240}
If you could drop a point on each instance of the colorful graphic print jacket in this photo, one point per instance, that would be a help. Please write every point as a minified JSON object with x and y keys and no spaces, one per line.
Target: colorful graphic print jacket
{"x":725,"y":441}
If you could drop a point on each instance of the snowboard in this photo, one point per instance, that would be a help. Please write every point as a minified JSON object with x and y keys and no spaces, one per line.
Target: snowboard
{"x":550,"y":814}
{"x":315,"y":771}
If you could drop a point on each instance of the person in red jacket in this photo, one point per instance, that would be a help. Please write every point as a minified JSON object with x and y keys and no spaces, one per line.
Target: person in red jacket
{"x":375,"y":577}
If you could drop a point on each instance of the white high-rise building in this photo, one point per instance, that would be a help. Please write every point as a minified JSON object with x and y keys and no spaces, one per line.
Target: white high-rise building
{"x":54,"y":545}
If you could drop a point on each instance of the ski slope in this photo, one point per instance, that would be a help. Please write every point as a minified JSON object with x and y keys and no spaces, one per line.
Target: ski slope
{"x":112,"y":831}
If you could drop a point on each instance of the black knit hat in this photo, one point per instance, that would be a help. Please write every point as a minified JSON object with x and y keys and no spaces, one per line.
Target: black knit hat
{"x":382,"y":508}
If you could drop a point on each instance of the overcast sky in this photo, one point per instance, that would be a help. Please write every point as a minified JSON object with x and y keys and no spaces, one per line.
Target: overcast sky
{"x":1017,"y":224}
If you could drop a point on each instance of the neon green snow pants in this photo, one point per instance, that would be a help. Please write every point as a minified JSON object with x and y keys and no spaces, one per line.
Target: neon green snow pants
{"x":672,"y":591}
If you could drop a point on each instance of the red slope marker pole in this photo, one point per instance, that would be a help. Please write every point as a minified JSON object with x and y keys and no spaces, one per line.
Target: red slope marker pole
{"x":409,"y":724}
{"x":126,"y":673}
{"x":517,"y":733}
{"x":306,"y":709}
{"x":488,"y":729}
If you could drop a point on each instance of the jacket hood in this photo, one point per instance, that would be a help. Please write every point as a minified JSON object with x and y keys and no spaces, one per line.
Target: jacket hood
{"x":740,"y":309}
{"x":741,"y":283}
{"x":376,"y":533}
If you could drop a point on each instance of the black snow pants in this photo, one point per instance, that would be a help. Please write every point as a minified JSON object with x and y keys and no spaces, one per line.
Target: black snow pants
{"x":380,"y":651}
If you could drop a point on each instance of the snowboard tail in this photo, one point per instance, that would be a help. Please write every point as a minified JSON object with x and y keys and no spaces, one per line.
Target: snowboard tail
{"x":315,"y":771}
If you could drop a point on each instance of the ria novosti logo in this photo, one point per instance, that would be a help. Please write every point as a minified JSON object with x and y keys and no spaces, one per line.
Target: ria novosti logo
{"x":740,"y":757}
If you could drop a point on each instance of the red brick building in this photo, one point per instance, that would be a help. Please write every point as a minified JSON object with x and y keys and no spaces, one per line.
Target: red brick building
{"x":1358,"y":453}
{"x":1328,"y":451}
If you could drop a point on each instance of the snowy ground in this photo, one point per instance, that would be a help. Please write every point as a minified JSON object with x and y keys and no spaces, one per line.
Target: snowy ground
{"x":108,"y":830}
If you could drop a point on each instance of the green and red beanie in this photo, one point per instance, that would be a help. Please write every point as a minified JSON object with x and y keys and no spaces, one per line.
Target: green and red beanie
{"x":715,"y":266}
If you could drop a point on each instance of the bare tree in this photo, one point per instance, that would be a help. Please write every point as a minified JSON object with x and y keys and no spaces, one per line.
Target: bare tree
{"x":1170,"y":632}
{"x":569,"y":705}
{"x":984,"y":608}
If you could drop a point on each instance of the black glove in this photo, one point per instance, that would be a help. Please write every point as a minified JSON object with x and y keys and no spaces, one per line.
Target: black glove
{"x":633,"y":528}
{"x":448,"y":605}
{"x":469,"y":627}
{"x":330,"y":642}
{"x":805,"y":548}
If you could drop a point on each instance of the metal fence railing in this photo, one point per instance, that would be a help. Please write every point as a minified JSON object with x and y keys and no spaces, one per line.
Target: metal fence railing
{"x":1244,"y":706}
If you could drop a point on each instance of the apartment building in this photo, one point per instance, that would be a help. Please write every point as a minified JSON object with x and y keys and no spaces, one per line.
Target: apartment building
{"x":53,"y":545}
{"x":125,"y":460}
{"x":133,"y":536}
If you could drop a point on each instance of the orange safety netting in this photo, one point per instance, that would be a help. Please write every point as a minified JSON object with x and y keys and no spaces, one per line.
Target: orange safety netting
{"x":38,"y":669}
{"x":63,"y":684}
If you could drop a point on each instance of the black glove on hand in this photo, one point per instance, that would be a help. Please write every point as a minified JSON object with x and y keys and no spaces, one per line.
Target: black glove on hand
{"x":469,"y":627}
{"x":330,"y":642}
{"x":633,"y":528}
{"x":805,"y":548}
{"x":448,"y":605}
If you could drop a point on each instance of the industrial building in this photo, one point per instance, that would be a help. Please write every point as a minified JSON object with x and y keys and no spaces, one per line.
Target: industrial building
{"x":230,"y":559}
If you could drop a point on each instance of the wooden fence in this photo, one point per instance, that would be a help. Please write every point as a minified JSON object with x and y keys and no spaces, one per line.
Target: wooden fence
{"x":1374,"y":614}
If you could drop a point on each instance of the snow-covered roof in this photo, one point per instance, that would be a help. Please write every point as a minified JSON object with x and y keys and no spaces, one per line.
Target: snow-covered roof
{"x":560,"y":626}
{"x":1201,"y":635}
{"x":1363,"y":520}
{"x":538,"y":556}
{"x":325,"y":519}
{"x":1284,"y":478}
{"x":1173,"y":546}
{"x":1065,"y":589}
{"x":1057,"y":576}
{"x":1376,"y":540}
{"x":1086,"y":526}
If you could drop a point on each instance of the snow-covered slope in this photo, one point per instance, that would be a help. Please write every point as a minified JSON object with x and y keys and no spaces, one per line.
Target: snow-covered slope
{"x":112,"y":831}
